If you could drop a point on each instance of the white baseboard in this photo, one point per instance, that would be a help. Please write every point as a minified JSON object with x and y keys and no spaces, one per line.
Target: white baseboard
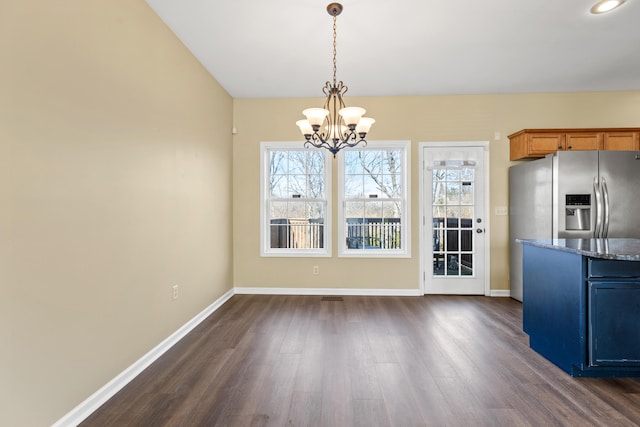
{"x":328,"y":291}
{"x":500,"y":293}
{"x":97,"y":399}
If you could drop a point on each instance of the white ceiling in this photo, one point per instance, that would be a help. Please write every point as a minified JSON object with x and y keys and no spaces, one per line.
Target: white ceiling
{"x":282,"y":49}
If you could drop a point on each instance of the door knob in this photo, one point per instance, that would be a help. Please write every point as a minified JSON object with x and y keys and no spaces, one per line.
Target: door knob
{"x":479,"y":230}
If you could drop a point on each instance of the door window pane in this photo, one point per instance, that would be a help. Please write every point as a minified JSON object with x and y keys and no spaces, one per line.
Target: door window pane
{"x":453,"y":198}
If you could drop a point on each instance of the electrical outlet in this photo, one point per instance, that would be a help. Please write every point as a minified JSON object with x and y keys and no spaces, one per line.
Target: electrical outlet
{"x":316,"y":270}
{"x":174,"y":291}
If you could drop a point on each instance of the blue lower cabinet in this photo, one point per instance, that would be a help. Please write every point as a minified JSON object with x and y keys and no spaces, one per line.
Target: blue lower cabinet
{"x":554,"y":305}
{"x":614,"y":323}
{"x":582,"y":314}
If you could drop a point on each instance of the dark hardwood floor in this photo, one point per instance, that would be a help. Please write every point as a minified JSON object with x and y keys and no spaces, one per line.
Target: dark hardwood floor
{"x":365,"y":361}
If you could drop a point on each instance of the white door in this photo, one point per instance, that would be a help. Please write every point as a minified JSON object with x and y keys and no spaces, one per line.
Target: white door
{"x":454,"y":218}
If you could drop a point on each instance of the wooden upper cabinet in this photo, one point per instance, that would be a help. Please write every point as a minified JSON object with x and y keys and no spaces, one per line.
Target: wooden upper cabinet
{"x":622,"y":141}
{"x":532,"y":143}
{"x":544,"y":143}
{"x":583,"y":141}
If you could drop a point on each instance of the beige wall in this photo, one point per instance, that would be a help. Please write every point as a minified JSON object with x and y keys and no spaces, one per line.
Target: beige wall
{"x":115,"y":163}
{"x":418,"y":119}
{"x":115,"y":184}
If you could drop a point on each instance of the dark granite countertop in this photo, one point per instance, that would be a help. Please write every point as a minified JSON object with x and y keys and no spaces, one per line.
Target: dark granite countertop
{"x":616,"y":249}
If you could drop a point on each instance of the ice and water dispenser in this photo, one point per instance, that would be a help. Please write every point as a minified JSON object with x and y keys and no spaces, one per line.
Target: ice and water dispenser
{"x":578,"y":212}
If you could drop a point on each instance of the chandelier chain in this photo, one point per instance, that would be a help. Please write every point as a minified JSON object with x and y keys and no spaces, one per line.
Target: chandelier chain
{"x":335,"y":67}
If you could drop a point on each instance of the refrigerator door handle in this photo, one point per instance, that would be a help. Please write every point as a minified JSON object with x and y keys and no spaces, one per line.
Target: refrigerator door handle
{"x":598,"y":210}
{"x":605,"y":203}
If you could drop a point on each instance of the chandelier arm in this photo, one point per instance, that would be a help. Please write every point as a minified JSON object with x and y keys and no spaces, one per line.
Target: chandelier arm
{"x":349,"y":135}
{"x":317,"y":141}
{"x":327,"y":89}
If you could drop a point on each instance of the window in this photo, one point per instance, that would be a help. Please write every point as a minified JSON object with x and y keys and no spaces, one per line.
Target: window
{"x":295,"y":194}
{"x":374,"y":200}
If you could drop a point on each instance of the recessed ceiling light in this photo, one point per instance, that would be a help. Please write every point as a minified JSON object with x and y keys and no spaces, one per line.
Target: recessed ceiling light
{"x":604,"y":6}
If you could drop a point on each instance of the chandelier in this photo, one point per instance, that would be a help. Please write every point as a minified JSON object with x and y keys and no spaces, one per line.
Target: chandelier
{"x":335,"y":126}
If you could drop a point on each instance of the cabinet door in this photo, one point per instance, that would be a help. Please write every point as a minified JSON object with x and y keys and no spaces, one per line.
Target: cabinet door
{"x":614,"y":323}
{"x":621,"y":140}
{"x":545,"y":143}
{"x":583,"y":141}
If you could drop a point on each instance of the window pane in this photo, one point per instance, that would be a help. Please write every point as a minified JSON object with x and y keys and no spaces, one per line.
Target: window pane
{"x":371,"y":161}
{"x":452,"y":217}
{"x":373,"y":209}
{"x":354,"y":210}
{"x":392,"y":185}
{"x":371,"y":187}
{"x":392,"y":162}
{"x":453,"y":266}
{"x":466,"y":265}
{"x":279,"y":186}
{"x":279,"y":233}
{"x":391,"y":232}
{"x":355,"y":240}
{"x":466,"y":240}
{"x":297,"y":186}
{"x":296,"y":210}
{"x":315,"y":188}
{"x":278,"y":210}
{"x":278,"y":162}
{"x":453,"y":175}
{"x":467,"y":193}
{"x":453,"y":193}
{"x":355,"y":232}
{"x":297,"y":162}
{"x":316,"y":210}
{"x":305,"y":234}
{"x":466,"y":212}
{"x":316,"y":159}
{"x":438,"y":264}
{"x":466,"y":174}
{"x":352,"y":163}
{"x":439,"y":189}
{"x":452,"y":240}
{"x":353,"y":186}
{"x":296,"y":174}
{"x":373,"y":225}
{"x":299,"y":225}
{"x":438,"y":240}
{"x":391,"y":210}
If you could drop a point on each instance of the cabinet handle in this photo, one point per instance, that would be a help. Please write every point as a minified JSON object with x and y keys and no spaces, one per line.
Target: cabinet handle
{"x":569,"y":147}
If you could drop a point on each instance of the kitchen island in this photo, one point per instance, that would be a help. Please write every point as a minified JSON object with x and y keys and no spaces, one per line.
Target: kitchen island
{"x":581,"y":304}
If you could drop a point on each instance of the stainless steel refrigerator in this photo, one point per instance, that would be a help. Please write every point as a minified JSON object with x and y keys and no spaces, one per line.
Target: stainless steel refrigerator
{"x":572,"y":194}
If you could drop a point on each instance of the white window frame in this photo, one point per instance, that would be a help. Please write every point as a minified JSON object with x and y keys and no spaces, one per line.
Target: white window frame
{"x":265,"y":198}
{"x":405,"y":236}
